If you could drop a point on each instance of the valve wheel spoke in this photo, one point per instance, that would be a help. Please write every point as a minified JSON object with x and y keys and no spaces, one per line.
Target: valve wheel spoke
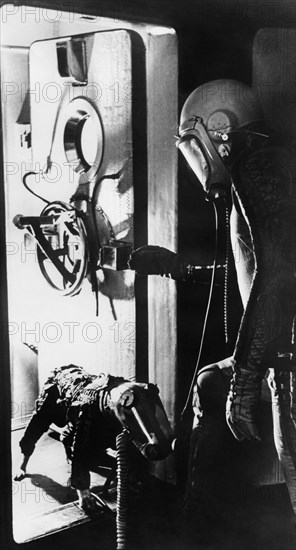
{"x":69,"y":245}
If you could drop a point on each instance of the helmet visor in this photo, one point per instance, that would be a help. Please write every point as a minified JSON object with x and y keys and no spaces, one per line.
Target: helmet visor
{"x":203,"y":157}
{"x":196,"y":159}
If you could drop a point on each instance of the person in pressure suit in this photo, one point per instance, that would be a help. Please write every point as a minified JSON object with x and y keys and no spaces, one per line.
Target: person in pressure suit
{"x":234,"y":155}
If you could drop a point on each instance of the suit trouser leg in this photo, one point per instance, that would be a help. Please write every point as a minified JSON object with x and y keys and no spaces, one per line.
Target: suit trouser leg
{"x":283,"y":392}
{"x":212,"y":446}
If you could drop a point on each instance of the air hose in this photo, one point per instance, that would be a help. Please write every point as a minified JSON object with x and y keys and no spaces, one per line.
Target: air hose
{"x":189,"y":395}
{"x":122,"y":446}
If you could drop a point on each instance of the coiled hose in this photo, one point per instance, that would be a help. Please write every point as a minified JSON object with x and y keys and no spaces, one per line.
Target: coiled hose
{"x":122,"y":445}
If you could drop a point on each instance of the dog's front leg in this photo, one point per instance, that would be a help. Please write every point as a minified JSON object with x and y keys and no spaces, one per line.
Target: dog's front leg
{"x":87,"y":501}
{"x":21,"y":469}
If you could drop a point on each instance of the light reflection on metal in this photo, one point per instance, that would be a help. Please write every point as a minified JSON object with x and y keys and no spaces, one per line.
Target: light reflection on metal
{"x":83,"y":137}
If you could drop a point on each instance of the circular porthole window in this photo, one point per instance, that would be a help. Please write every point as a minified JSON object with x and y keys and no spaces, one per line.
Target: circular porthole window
{"x":83,"y":137}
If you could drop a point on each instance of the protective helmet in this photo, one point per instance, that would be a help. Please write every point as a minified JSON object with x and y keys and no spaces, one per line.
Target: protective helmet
{"x":140,"y":410}
{"x":209,"y":116}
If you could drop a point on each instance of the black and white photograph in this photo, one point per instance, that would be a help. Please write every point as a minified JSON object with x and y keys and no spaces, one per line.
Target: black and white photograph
{"x":148,"y":275}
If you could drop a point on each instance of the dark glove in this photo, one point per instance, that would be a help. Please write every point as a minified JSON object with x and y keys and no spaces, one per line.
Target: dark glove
{"x":243,"y":403}
{"x":155,"y":260}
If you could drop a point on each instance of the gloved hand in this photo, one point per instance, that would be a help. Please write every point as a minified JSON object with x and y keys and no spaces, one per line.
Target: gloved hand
{"x":156,"y":260}
{"x":243,"y":402}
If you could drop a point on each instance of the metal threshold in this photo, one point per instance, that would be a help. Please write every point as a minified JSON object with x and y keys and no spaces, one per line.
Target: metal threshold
{"x":66,"y":516}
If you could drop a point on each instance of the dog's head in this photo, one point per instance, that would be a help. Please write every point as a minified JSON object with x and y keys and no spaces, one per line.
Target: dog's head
{"x":140,"y":411}
{"x":136,"y":406}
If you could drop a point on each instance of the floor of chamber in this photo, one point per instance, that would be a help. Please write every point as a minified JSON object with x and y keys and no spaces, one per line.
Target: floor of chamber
{"x":44,"y":502}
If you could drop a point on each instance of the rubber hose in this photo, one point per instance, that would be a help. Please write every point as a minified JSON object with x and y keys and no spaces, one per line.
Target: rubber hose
{"x":122,"y":443}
